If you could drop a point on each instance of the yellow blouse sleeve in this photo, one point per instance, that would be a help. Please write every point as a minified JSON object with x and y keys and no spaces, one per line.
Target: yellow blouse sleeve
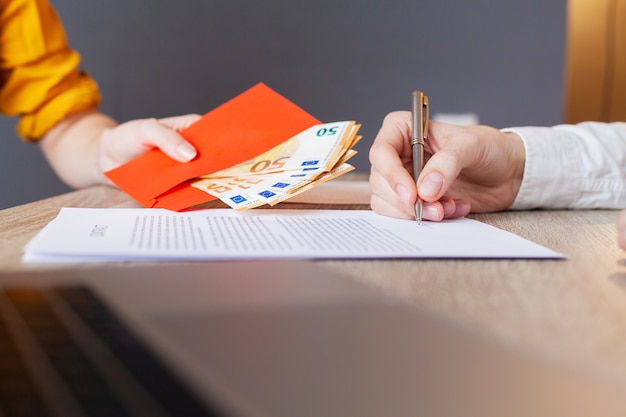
{"x":39,"y":77}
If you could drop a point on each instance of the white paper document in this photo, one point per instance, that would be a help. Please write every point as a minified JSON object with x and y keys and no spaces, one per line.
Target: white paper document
{"x":119,"y":234}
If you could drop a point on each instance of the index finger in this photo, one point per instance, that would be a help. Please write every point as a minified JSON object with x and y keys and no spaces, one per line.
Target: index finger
{"x":390,"y":154}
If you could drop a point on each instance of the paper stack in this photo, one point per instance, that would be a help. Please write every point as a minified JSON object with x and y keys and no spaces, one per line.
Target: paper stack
{"x":258,"y":148}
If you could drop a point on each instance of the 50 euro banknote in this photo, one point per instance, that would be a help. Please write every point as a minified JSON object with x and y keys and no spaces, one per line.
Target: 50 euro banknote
{"x":312,"y":157}
{"x":242,"y":193}
{"x":317,"y":148}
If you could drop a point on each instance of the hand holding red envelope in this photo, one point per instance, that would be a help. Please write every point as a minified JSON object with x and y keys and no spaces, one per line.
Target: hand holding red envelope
{"x":237,"y":143}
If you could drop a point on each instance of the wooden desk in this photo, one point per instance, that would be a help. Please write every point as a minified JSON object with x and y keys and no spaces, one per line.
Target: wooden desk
{"x":572,"y":312}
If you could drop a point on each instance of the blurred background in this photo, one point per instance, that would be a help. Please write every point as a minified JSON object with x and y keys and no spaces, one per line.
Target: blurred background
{"x":502,"y":60}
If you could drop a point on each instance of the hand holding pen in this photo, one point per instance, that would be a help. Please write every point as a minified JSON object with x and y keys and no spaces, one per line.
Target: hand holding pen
{"x":477,"y":168}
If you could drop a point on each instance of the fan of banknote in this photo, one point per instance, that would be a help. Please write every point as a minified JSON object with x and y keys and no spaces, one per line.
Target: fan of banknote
{"x":308,"y":159}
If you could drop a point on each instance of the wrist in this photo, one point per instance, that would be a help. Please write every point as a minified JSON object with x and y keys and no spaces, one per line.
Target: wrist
{"x":517,"y":159}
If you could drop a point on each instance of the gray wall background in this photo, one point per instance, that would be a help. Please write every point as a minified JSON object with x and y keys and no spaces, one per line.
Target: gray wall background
{"x":337,"y":59}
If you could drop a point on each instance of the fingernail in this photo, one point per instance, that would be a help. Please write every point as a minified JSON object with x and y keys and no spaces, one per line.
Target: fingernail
{"x":403,"y":193}
{"x":186,"y":151}
{"x":448,"y":208}
{"x":431,"y":185}
{"x":431,"y":212}
{"x":462,"y":209}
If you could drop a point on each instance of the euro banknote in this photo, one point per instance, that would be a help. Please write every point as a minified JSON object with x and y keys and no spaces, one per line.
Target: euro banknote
{"x":314,"y":156}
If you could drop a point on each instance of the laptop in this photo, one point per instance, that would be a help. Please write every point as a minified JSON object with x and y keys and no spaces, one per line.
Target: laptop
{"x":257,"y":338}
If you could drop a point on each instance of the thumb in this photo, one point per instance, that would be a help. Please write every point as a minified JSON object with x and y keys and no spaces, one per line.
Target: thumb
{"x":162,"y":134}
{"x":453,"y":150}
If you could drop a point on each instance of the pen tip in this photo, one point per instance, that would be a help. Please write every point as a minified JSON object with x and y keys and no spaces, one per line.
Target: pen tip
{"x":418,"y":211}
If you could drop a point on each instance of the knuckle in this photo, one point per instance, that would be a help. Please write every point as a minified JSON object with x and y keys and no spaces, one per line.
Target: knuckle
{"x":394,"y":116}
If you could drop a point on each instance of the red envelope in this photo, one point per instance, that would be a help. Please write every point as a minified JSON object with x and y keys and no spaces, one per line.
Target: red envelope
{"x":240,"y":129}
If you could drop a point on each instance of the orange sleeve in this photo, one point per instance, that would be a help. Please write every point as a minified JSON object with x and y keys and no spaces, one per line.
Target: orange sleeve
{"x":39,"y":77}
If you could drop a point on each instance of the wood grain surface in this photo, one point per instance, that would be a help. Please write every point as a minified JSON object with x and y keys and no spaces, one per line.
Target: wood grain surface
{"x":568,"y":312}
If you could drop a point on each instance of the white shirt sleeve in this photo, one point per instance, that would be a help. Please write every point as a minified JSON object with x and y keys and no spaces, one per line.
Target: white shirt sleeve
{"x":573,"y":166}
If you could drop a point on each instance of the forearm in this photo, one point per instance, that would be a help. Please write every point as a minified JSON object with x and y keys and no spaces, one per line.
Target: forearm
{"x":72,"y":148}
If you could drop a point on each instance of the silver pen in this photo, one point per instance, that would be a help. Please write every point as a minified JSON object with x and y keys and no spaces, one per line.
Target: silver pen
{"x":419,"y":112}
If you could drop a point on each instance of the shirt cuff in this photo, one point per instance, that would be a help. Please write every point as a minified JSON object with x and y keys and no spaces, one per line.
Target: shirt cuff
{"x":83,"y":95}
{"x":552,"y":169}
